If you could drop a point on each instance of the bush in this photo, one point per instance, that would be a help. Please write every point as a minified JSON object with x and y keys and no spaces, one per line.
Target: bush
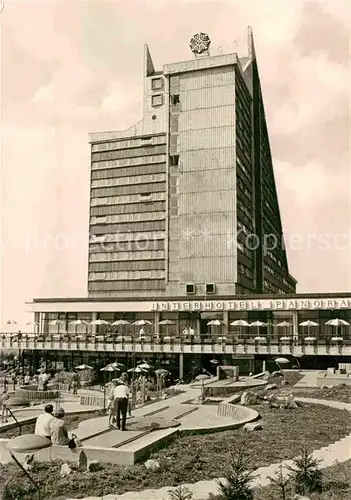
{"x":306,"y":475}
{"x":181,"y":493}
{"x":238,"y":478}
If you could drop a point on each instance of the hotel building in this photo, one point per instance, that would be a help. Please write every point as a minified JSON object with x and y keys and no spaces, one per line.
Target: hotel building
{"x":185,"y":226}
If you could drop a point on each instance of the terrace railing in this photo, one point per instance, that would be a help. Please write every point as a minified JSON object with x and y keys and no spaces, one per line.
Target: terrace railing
{"x":232,"y":344}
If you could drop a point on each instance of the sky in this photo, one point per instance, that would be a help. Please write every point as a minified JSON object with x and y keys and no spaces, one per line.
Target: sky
{"x":73,"y":67}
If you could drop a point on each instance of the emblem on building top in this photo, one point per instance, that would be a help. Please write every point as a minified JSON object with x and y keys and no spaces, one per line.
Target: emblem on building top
{"x":200,"y":44}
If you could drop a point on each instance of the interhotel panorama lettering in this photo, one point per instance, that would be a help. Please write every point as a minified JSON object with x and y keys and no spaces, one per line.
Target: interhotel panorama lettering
{"x":244,"y":305}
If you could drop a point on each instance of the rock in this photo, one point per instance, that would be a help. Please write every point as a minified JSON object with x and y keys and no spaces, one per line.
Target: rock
{"x":28,"y":462}
{"x":253,"y":426}
{"x":269,"y":387}
{"x":290,"y":403}
{"x":82,"y":460}
{"x":65,"y":470}
{"x":299,"y":497}
{"x":249,"y":398}
{"x":93,"y":466}
{"x":152,"y":465}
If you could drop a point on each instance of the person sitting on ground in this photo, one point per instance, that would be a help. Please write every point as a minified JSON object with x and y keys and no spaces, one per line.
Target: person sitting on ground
{"x":121,"y":396}
{"x":44,"y":421}
{"x":59,"y":433}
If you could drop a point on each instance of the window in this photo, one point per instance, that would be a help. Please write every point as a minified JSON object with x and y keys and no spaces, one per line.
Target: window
{"x":175,"y":98}
{"x":145,"y":196}
{"x":174,"y":160}
{"x":210,"y":288}
{"x":190,"y":288}
{"x":156,"y":83}
{"x":157,"y":100}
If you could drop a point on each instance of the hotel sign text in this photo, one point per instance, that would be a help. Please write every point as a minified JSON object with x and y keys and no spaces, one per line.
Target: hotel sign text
{"x":250,"y":305}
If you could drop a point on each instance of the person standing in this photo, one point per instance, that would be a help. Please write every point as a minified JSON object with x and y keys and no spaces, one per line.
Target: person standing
{"x":44,"y":422}
{"x":3,"y":400}
{"x":75,"y":383}
{"x":121,"y":395}
{"x":110,"y":404}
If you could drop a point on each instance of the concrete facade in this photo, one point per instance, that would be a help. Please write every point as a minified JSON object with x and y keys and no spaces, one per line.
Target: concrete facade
{"x":175,"y":197}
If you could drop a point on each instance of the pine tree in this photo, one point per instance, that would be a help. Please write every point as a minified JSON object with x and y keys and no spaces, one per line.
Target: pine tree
{"x":237,"y":485}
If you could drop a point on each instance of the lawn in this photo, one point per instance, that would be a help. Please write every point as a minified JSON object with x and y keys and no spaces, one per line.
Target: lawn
{"x":72,"y":422}
{"x":193,"y":458}
{"x":339,"y":393}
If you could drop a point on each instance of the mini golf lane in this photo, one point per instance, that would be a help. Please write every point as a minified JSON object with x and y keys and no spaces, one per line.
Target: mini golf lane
{"x":104,"y":437}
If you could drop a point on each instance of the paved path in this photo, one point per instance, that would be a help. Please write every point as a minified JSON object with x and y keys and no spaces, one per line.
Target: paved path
{"x":309,"y":379}
{"x":335,"y":452}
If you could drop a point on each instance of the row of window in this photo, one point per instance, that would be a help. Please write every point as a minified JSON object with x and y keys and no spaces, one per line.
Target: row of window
{"x":129,"y":143}
{"x":243,"y":152}
{"x":243,"y":169}
{"x":128,"y":153}
{"x":130,"y":208}
{"x":246,"y":210}
{"x":136,"y":217}
{"x":241,"y":85}
{"x":134,"y":252}
{"x":243,"y":128}
{"x":153,"y":168}
{"x":127,"y":275}
{"x":271,"y":288}
{"x":245,"y":271}
{"x":129,"y":180}
{"x":244,"y":189}
{"x":132,"y":161}
{"x":243,"y":228}
{"x":133,"y":227}
{"x":153,"y":187}
{"x":105,"y":286}
{"x":244,"y":138}
{"x":133,"y":198}
{"x":131,"y":265}
{"x":273,"y":257}
{"x":244,"y":250}
{"x":116,"y":238}
{"x":274,"y":273}
{"x":244,"y":110}
{"x":243,"y":218}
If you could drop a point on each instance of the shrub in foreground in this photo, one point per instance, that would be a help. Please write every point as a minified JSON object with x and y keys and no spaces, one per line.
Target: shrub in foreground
{"x":238,"y":479}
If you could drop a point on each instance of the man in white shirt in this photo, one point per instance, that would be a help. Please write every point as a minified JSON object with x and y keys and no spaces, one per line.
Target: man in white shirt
{"x":44,"y":422}
{"x":121,"y":394}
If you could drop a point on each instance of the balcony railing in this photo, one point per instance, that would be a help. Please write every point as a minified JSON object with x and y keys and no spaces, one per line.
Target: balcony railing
{"x":201,"y":344}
